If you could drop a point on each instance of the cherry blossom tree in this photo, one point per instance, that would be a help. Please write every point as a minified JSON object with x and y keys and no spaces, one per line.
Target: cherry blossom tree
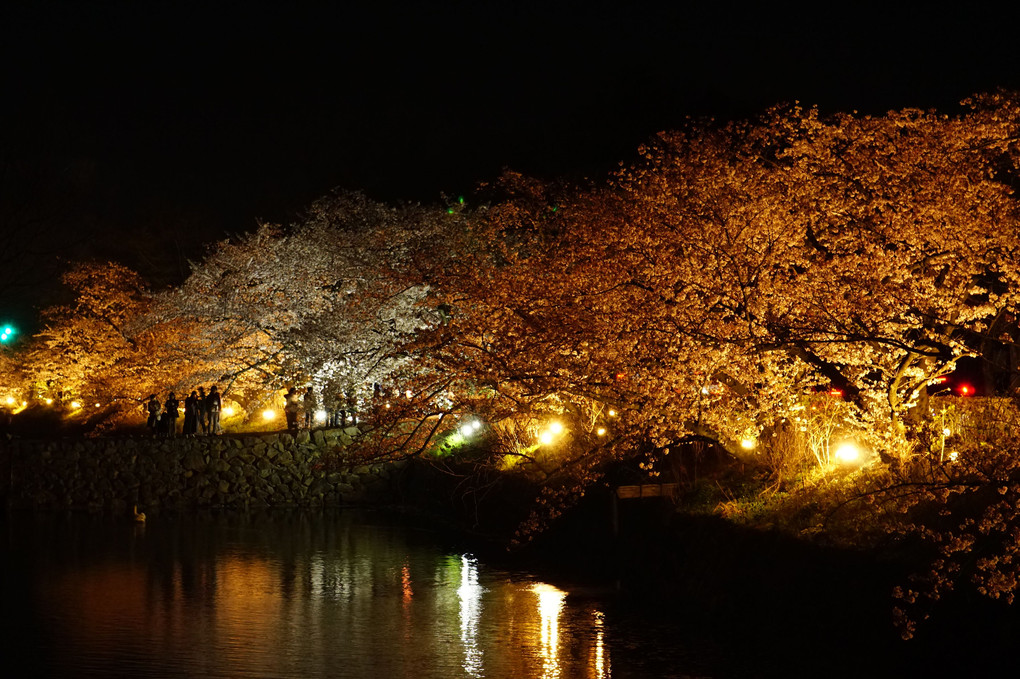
{"x":730,"y":271}
{"x":102,"y":347}
{"x":328,"y":299}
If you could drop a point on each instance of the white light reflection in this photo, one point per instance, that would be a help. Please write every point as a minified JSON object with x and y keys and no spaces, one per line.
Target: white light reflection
{"x":470,"y":593}
{"x":550,"y":604}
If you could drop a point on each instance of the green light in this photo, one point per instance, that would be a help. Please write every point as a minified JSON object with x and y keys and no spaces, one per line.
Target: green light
{"x":460,"y":200}
{"x":449,"y":211}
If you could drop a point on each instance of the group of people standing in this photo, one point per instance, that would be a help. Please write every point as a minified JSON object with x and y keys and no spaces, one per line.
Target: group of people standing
{"x":337,"y":411}
{"x":201,"y":411}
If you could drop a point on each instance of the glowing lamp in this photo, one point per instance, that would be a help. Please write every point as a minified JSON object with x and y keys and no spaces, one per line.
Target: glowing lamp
{"x":75,"y":405}
{"x":601,"y":431}
{"x":268,"y":414}
{"x":555,"y":428}
{"x":612,"y":413}
{"x":228,"y":411}
{"x":835,"y":392}
{"x":954,"y":456}
{"x":947,"y":432}
{"x":966,"y":390}
{"x":97,"y":405}
{"x":10,"y":400}
{"x":848,"y":452}
{"x":747,"y":444}
{"x":465,"y":429}
{"x":546,"y":438}
{"x":49,"y":401}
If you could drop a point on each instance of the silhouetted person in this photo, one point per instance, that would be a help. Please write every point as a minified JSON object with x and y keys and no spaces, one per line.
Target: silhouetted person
{"x":310,"y":404}
{"x":170,"y":412}
{"x":213,"y":405}
{"x":291,"y":407}
{"x":203,"y":411}
{"x":191,"y":410}
{"x":152,"y":407}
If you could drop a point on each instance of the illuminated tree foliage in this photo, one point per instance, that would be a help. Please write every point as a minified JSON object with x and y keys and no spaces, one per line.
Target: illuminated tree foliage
{"x":734,"y":268}
{"x":102,"y":347}
{"x":329,"y":299}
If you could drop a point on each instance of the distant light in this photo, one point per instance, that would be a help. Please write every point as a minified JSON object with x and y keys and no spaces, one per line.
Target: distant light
{"x":10,"y":400}
{"x":835,"y":392}
{"x":408,"y":393}
{"x":49,"y":401}
{"x":228,"y":411}
{"x":601,"y":431}
{"x":747,"y":444}
{"x":320,"y":415}
{"x":954,"y":456}
{"x":268,"y":414}
{"x":704,"y":390}
{"x":97,"y":405}
{"x":387,"y":406}
{"x":476,"y":425}
{"x":848,"y":452}
{"x":75,"y":405}
{"x":612,"y":413}
{"x":546,"y":438}
{"x":966,"y":390}
{"x":947,"y":432}
{"x":466,"y":429}
{"x":555,"y":428}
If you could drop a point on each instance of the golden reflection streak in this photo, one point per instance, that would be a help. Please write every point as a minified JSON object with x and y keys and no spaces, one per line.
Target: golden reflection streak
{"x":550,"y":605}
{"x":405,"y":582}
{"x":601,"y":660}
{"x":470,"y":593}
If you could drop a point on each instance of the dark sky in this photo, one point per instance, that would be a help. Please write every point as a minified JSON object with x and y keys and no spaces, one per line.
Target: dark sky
{"x":141,"y":130}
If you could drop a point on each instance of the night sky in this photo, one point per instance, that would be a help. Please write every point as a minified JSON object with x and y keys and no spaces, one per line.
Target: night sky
{"x":141,"y":131}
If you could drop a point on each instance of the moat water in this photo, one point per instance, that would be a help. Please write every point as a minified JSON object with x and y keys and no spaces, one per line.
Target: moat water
{"x":281,"y":594}
{"x":303,"y":594}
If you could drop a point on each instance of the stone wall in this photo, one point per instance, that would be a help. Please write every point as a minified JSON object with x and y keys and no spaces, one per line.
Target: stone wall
{"x":303,"y":470}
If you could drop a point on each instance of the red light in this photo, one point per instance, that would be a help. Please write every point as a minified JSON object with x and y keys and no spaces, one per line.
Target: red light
{"x":965,"y":390}
{"x":620,"y":376}
{"x":942,"y":379}
{"x":835,"y":392}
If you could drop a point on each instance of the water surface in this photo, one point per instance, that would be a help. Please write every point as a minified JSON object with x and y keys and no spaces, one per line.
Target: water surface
{"x":302,"y":594}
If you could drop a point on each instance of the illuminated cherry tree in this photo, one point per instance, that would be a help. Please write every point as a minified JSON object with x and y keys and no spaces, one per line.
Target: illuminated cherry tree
{"x":328,"y":299}
{"x":103,"y":347}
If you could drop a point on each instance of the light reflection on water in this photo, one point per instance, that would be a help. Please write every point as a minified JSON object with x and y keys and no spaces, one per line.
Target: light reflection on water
{"x":297,"y":596}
